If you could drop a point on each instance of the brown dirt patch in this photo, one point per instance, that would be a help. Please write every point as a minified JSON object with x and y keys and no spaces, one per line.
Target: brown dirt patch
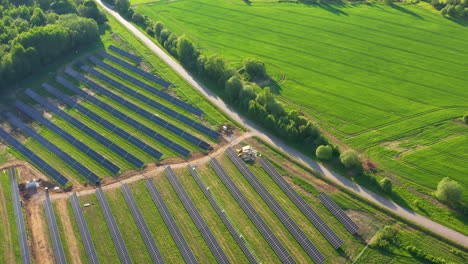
{"x":41,"y":250}
{"x":72,"y":242}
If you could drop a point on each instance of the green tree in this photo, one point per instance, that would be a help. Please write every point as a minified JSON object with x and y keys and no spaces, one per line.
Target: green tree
{"x":233,"y":87}
{"x":386,"y":185}
{"x":186,"y":51}
{"x":158,"y":27}
{"x":465,"y":118}
{"x":449,"y":190}
{"x":38,"y":18}
{"x":324,"y":152}
{"x":138,"y":18}
{"x":255,"y":68}
{"x":122,"y":6}
{"x":350,"y":159}
{"x":386,"y":237}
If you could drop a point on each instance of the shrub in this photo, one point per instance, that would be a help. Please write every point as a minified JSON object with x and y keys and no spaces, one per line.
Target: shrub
{"x":386,"y":185}
{"x":324,"y":152}
{"x":233,"y":87}
{"x":350,"y":159}
{"x":138,"y":18}
{"x":158,"y":27}
{"x":255,"y":68}
{"x":465,"y":119}
{"x":386,"y":237}
{"x":449,"y":190}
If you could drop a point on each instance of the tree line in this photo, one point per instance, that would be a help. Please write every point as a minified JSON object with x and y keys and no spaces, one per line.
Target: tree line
{"x":34,"y":33}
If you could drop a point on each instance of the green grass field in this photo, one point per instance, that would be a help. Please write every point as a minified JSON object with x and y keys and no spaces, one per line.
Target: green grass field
{"x":9,"y":249}
{"x":371,"y":75}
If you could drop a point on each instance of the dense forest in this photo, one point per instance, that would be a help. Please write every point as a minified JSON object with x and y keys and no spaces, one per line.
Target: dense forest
{"x":35,"y":32}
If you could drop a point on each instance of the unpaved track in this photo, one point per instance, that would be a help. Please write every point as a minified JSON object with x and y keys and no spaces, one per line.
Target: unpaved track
{"x":337,"y":178}
{"x":72,"y":243}
{"x":41,"y":250}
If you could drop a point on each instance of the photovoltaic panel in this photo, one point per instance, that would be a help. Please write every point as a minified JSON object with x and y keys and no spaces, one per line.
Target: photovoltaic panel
{"x":68,"y":137}
{"x":127,"y":119}
{"x":93,"y":178}
{"x":232,"y":230}
{"x":149,"y":88}
{"x":310,"y":213}
{"x":54,"y":232}
{"x":84,"y":231}
{"x":97,"y":118}
{"x":253,"y":215}
{"x":338,"y":213}
{"x":87,"y":130}
{"x":125,"y":54}
{"x":135,"y":69}
{"x":142,"y":226}
{"x":59,"y":178}
{"x":205,"y":130}
{"x":279,"y":211}
{"x":196,"y":217}
{"x":19,"y":219}
{"x":113,"y":228}
{"x":157,"y":120}
{"x":166,"y":215}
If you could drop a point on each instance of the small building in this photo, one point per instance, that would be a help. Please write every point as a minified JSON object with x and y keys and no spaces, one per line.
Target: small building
{"x":247,"y":154}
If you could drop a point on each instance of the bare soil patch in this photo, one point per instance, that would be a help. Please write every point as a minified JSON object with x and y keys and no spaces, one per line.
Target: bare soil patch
{"x":41,"y":250}
{"x":72,"y":242}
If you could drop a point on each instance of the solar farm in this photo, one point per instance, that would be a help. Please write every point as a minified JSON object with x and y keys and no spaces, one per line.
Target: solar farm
{"x":133,"y":174}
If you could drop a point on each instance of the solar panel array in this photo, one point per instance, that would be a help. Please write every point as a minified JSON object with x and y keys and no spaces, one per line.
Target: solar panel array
{"x":313,"y":217}
{"x":114,"y":230}
{"x":236,"y":235}
{"x":87,"y":130}
{"x":127,"y":119}
{"x":166,"y":215}
{"x":211,"y":133}
{"x":338,"y":213}
{"x":20,"y":227}
{"x":196,"y":217}
{"x":279,"y":211}
{"x":142,"y":226}
{"x":125,"y":54}
{"x":100,"y":120}
{"x":84,"y":231}
{"x":69,"y":138}
{"x":54,"y":232}
{"x":157,"y":120}
{"x":258,"y":221}
{"x":59,"y":178}
{"x":146,"y":86}
{"x":54,"y":149}
{"x":135,"y":69}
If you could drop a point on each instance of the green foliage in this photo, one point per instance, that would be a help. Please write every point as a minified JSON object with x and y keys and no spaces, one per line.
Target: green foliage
{"x":465,"y":119}
{"x":427,"y":257}
{"x":387,"y":237}
{"x":38,"y":18}
{"x":138,"y":18}
{"x":324,"y":152}
{"x":233,"y":88}
{"x":122,"y":6}
{"x":255,"y":68}
{"x":187,"y":52}
{"x":89,"y":9}
{"x":350,"y":159}
{"x":158,"y":27}
{"x":449,"y":190}
{"x":386,"y":185}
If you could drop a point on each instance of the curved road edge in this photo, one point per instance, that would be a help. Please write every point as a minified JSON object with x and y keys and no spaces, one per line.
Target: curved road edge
{"x":320,"y":168}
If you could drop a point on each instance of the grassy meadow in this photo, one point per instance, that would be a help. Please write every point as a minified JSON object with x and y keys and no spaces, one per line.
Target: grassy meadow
{"x":389,"y":81}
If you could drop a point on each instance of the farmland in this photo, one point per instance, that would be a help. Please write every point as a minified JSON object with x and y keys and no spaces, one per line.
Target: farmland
{"x":373,"y":82}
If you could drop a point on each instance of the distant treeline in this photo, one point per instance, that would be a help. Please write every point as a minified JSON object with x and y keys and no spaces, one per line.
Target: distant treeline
{"x":33,"y":33}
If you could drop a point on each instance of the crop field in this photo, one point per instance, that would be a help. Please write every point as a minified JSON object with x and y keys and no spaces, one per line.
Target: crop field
{"x":369,"y":219}
{"x":9,"y":248}
{"x":379,"y":78}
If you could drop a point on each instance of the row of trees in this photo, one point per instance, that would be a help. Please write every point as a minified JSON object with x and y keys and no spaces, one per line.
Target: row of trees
{"x":453,"y":8}
{"x":34,"y":34}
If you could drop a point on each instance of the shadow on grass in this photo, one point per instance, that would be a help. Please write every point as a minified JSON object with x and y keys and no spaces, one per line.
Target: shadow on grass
{"x":404,"y":10}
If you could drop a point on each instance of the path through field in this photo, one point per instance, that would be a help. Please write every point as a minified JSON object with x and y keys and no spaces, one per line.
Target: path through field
{"x":403,"y":212}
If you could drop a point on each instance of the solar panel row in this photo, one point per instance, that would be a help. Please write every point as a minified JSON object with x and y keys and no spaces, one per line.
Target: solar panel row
{"x":313,"y":217}
{"x":69,"y":138}
{"x":127,"y":119}
{"x":59,"y":178}
{"x":114,"y":230}
{"x":234,"y":233}
{"x":97,"y":118}
{"x":279,"y":211}
{"x":205,"y":130}
{"x":196,"y":217}
{"x":253,"y":215}
{"x":157,"y":120}
{"x":142,"y":226}
{"x":338,"y":213}
{"x":84,"y":231}
{"x":166,"y":215}
{"x":135,"y":69}
{"x":20,"y":226}
{"x":93,"y":178}
{"x":148,"y":87}
{"x":54,"y":232}
{"x":87,"y":130}
{"x":125,"y":54}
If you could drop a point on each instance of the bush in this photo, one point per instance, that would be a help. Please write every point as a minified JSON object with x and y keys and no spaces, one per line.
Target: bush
{"x":138,"y":18}
{"x":386,"y":185}
{"x":386,"y":237}
{"x":158,"y":27}
{"x":186,"y":51}
{"x":465,"y":119}
{"x":324,"y":152}
{"x":350,"y":159}
{"x":255,"y":68}
{"x":449,"y":190}
{"x":233,"y":87}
